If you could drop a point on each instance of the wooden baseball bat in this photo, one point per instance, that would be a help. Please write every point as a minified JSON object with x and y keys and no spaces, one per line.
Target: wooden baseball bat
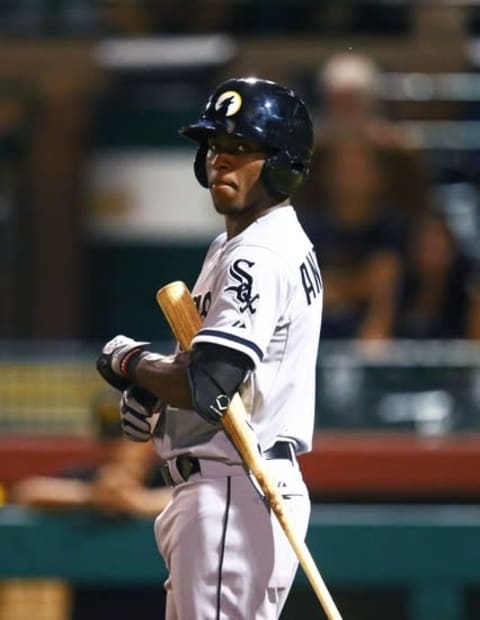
{"x":181,"y":313}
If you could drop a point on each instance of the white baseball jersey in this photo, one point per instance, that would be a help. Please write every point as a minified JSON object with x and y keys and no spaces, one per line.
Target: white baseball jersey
{"x":260,"y":293}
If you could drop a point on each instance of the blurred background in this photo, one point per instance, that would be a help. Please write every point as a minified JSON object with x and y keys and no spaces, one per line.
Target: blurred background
{"x":99,"y":208}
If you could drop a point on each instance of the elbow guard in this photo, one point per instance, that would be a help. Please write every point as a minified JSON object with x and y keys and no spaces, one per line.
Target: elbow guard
{"x":215,"y":375}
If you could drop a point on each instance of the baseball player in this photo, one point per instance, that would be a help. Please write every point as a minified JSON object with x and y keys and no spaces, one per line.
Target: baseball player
{"x":260,"y":295}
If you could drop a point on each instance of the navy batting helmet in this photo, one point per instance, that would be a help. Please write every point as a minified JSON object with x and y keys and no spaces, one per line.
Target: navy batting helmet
{"x":268,"y":113}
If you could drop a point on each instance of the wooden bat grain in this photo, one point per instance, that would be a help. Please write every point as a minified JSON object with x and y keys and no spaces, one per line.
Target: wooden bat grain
{"x":181,"y":313}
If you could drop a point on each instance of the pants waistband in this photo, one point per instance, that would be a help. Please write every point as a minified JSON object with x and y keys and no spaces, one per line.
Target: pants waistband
{"x":180,"y":469}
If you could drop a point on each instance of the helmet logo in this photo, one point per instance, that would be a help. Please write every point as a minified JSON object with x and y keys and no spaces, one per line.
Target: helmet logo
{"x":229,"y":103}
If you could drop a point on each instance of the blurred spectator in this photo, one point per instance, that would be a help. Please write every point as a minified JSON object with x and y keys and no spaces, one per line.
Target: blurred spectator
{"x":359,"y":243}
{"x":440,"y":293}
{"x":366,"y":188}
{"x":348,"y":86}
{"x":126,"y":482}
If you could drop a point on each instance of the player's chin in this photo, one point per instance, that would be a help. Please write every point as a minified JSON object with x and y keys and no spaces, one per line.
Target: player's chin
{"x":224,"y":205}
{"x":225,"y":209}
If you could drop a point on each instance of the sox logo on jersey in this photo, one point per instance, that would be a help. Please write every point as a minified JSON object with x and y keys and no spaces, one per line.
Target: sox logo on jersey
{"x":243,"y":290}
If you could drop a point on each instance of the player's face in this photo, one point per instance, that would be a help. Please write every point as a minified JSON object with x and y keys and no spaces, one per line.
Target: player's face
{"x":233,"y":167}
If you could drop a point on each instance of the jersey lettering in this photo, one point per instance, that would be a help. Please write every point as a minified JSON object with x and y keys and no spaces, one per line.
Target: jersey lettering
{"x":243,"y":290}
{"x":311,"y":278}
{"x":203,"y":303}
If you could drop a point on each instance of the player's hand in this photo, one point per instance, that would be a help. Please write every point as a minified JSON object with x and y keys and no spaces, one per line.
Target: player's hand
{"x":139,"y":413}
{"x":118,"y":360}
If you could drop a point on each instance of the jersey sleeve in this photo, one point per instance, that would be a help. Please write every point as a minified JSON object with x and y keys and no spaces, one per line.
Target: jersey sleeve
{"x":249,"y":300}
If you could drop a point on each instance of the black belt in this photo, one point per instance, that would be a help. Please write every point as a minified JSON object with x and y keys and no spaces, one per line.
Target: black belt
{"x":186,"y":465}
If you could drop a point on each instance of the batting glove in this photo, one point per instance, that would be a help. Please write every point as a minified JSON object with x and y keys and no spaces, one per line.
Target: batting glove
{"x":118,"y":359}
{"x":139,"y":413}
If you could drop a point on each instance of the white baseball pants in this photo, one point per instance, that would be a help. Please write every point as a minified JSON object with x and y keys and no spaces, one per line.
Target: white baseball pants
{"x":227,"y":556}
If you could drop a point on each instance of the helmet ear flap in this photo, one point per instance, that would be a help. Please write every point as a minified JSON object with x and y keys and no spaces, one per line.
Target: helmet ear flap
{"x":199,"y":165}
{"x":281,"y":175}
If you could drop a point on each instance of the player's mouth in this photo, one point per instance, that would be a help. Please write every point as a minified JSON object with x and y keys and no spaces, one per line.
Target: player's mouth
{"x":223,"y":184}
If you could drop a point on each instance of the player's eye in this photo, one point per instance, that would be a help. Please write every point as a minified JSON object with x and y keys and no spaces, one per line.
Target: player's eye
{"x":224,"y":148}
{"x":234,"y":148}
{"x":247,"y":147}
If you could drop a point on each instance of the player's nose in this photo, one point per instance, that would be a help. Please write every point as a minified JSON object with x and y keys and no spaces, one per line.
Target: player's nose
{"x":221,"y":161}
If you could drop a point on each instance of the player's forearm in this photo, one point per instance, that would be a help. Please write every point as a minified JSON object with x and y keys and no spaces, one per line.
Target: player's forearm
{"x":167,"y":380}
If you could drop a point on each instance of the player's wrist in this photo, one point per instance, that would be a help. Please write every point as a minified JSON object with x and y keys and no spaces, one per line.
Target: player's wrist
{"x":127,"y":365}
{"x":118,"y":360}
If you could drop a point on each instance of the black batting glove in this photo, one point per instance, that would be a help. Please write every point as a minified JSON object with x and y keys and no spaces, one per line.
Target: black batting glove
{"x":118,"y":359}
